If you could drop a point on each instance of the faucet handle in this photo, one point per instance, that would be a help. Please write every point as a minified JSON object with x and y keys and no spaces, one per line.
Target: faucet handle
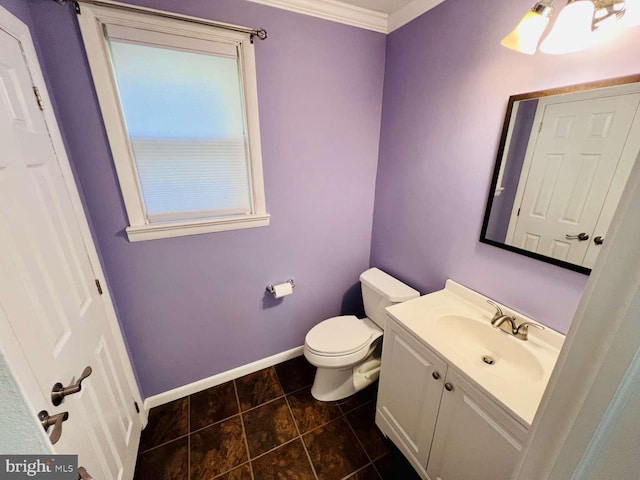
{"x":530,"y":324}
{"x":498,"y":313}
{"x":522,"y":332}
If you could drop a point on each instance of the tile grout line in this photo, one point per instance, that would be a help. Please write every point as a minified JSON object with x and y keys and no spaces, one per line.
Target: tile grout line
{"x":321,"y":426}
{"x":356,"y":407}
{"x":226,"y":472}
{"x":162,"y":444}
{"x":244,"y":432}
{"x":295,"y":424}
{"x":361,"y":444}
{"x":240,"y":412}
{"x":275,"y":448}
{"x":262,"y":404}
{"x":356,"y":435}
{"x":218,"y":422}
{"x":350,"y":475}
{"x":375,"y":469}
{"x":343,"y":413}
{"x":299,"y":436}
{"x":304,"y":445}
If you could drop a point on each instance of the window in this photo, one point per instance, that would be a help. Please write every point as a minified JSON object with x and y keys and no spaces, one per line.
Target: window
{"x":179,"y":101}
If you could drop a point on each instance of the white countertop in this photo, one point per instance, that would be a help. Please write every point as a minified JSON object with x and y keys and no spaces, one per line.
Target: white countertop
{"x":521,"y":370}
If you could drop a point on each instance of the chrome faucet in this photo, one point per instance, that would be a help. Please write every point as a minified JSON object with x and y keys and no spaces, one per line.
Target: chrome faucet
{"x":508,"y":324}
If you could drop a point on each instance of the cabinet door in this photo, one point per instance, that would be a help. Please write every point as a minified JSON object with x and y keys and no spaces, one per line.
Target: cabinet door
{"x":474,"y":438}
{"x":411,"y":382}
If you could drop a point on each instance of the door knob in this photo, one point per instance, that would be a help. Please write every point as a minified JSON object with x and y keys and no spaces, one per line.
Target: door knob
{"x":435,"y":375}
{"x":448,"y":387}
{"x":581,"y":237}
{"x":54,"y":421}
{"x":59,"y":391}
{"x":598,"y":240}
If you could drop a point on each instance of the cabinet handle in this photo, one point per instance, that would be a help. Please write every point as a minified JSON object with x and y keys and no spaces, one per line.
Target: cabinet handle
{"x":435,"y":375}
{"x":448,"y":387}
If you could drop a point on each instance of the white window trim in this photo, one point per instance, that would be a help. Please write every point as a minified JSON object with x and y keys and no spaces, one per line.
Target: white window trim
{"x":92,"y":22}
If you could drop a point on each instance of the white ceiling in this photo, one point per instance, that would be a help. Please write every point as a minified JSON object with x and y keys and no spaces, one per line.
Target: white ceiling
{"x":383,"y":16}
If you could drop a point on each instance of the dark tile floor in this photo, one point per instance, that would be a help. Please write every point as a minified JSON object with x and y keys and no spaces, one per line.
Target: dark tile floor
{"x":265,"y":426}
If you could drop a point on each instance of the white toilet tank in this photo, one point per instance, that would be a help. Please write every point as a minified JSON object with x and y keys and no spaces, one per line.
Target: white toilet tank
{"x":381,"y":290}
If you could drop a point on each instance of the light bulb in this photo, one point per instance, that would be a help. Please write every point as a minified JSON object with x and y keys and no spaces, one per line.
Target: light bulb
{"x":572,"y":30}
{"x":525,"y":37}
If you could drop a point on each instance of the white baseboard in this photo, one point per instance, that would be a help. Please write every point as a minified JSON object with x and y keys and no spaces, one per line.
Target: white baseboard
{"x":220,"y":378}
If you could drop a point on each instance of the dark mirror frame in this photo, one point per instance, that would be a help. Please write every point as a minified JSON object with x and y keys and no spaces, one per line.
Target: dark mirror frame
{"x":501,"y":150}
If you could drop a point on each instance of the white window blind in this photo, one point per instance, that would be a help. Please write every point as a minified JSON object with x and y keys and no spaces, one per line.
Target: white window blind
{"x":182,"y":103}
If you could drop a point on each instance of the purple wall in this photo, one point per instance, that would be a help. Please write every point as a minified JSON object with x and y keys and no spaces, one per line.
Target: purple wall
{"x":194,"y":306}
{"x":19,"y":8}
{"x":447,"y":83}
{"x":502,"y":205}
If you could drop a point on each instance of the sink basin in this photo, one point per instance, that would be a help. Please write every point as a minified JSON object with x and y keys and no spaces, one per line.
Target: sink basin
{"x":456,"y":324}
{"x":490,"y":348}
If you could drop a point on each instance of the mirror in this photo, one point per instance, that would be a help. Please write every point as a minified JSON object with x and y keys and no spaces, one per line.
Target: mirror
{"x":564,"y":158}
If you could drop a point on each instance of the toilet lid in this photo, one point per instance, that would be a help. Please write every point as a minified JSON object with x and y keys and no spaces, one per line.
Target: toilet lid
{"x":339,"y":335}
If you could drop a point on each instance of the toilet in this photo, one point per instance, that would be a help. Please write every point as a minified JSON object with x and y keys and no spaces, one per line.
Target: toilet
{"x":346,"y":350}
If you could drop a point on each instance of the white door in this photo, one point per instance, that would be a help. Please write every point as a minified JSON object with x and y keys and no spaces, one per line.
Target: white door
{"x":627,"y":160}
{"x":48,"y":291}
{"x":571,"y":171}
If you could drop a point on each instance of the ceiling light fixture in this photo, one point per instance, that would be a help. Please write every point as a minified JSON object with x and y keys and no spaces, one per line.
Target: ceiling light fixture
{"x":580,"y":24}
{"x":573,"y":30}
{"x":525,"y":37}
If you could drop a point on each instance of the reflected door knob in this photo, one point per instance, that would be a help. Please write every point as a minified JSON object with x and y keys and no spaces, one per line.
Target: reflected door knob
{"x":580,"y":237}
{"x":598,"y":240}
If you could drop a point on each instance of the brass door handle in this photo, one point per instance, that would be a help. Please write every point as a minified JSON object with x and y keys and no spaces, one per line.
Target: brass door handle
{"x":54,"y":421}
{"x":83,"y":474}
{"x":59,"y":391}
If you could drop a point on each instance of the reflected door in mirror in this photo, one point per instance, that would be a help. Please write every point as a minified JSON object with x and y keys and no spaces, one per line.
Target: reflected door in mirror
{"x":564,"y":159}
{"x":568,"y":174}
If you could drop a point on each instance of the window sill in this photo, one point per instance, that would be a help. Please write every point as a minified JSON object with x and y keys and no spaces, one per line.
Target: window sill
{"x":180,"y":229}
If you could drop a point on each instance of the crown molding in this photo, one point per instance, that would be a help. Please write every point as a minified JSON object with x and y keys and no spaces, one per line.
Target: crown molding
{"x":348,"y":14}
{"x":409,"y":12}
{"x":335,"y":11}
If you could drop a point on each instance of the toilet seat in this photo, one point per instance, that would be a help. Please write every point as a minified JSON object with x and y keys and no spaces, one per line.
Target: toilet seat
{"x":341,"y":336}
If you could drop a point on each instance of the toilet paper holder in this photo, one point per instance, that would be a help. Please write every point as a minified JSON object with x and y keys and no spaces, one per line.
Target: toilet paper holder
{"x":271,"y":290}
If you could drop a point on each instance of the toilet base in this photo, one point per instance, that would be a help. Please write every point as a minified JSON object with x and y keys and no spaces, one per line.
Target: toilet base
{"x":331,"y":384}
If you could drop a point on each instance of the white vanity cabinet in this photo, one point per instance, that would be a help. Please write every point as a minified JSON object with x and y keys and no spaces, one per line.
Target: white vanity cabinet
{"x":411,"y":385}
{"x":447,"y":428}
{"x":474,"y":438}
